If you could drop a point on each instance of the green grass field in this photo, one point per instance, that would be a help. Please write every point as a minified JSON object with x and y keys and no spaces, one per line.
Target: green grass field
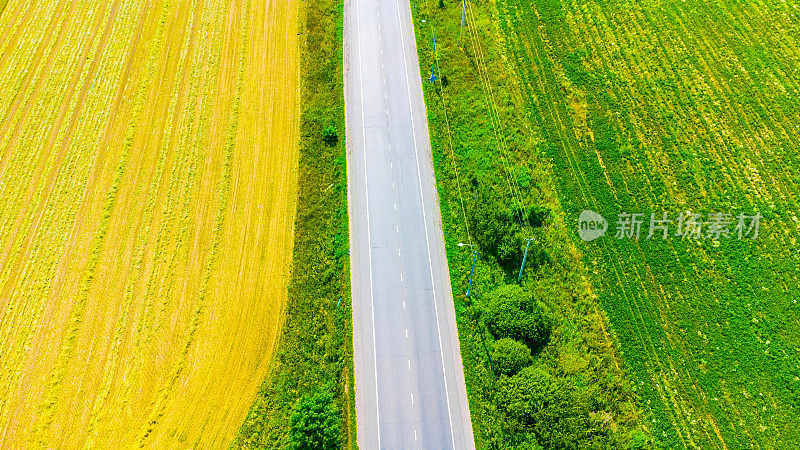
{"x":638,"y":107}
{"x":669,"y":107}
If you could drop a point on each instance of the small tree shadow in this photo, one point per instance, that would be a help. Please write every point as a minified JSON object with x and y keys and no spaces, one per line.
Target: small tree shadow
{"x":329,"y":135}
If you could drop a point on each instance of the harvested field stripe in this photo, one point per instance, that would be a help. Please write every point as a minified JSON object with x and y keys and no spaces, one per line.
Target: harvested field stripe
{"x":66,"y":353}
{"x":224,"y":188}
{"x":146,"y":227}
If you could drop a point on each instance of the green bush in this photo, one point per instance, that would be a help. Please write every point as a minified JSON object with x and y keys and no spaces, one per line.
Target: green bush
{"x":330,"y":135}
{"x":315,"y":422}
{"x":537,"y":215}
{"x":503,"y":226}
{"x":511,"y":312}
{"x":528,"y":443}
{"x":537,"y":402}
{"x":500,"y":233}
{"x":510,"y":356}
{"x":510,"y":247}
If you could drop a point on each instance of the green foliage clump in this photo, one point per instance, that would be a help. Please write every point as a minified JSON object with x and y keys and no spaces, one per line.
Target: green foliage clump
{"x":509,"y":249}
{"x":510,"y":356}
{"x":502,"y":230}
{"x":330,"y":135}
{"x":498,"y":230}
{"x":537,"y":215}
{"x":638,"y":441}
{"x":511,"y":312}
{"x":538,"y":403}
{"x":315,"y":422}
{"x":528,"y":442}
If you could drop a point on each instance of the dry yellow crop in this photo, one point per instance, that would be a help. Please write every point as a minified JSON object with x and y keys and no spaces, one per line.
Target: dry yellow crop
{"x":148,"y":167}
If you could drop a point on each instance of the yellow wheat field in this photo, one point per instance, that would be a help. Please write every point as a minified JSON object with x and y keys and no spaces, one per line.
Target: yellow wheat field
{"x":148,"y":167}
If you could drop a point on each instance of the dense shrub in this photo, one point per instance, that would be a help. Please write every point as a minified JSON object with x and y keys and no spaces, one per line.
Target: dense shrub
{"x":510,"y":356}
{"x":496,"y":227}
{"x":528,"y":442}
{"x":503,"y":226}
{"x":511,"y":312}
{"x":638,"y":440}
{"x":536,"y":215}
{"x":538,"y":403}
{"x":315,"y":422}
{"x":330,"y":135}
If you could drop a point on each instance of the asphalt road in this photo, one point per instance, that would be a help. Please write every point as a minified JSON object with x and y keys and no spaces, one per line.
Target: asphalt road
{"x":409,"y":379}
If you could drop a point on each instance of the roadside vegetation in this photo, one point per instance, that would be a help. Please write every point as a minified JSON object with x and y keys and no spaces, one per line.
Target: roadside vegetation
{"x":626,"y":107}
{"x":540,"y":362}
{"x":307,"y":401}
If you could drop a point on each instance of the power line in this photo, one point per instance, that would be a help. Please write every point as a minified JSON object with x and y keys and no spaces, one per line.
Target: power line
{"x":492,"y":105}
{"x":453,"y":159}
{"x":494,"y":117}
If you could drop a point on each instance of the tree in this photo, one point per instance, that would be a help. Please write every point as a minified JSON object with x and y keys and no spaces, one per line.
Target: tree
{"x":510,"y":246}
{"x":499,"y":230}
{"x":511,"y":312}
{"x":528,"y":442}
{"x":502,"y":224}
{"x":315,"y":422}
{"x":537,"y":214}
{"x":535,"y":401}
{"x":510,"y":356}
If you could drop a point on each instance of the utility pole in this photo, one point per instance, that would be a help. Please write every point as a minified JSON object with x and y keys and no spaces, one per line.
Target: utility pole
{"x":522,"y":267}
{"x":463,"y":16}
{"x":472,"y":271}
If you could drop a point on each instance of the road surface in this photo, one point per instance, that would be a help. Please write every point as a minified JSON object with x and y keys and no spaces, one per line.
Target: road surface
{"x":409,"y":379}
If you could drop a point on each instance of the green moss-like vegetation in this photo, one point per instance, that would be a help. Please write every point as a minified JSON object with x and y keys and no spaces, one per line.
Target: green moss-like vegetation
{"x":312,"y":374}
{"x":511,"y":312}
{"x":315,"y":422}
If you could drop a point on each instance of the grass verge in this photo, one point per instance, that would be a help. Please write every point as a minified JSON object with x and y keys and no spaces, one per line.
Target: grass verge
{"x":315,"y":348}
